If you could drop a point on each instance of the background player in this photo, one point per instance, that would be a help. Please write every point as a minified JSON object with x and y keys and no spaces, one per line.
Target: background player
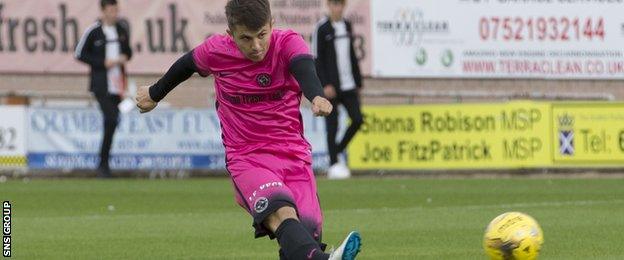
{"x":340,"y":75}
{"x":105,"y":47}
{"x":260,"y":74}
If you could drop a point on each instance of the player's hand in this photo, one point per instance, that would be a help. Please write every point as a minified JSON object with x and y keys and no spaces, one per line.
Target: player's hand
{"x":123,"y":59}
{"x":321,"y":106}
{"x":143,"y":99}
{"x":329,"y":91}
{"x":108,"y":63}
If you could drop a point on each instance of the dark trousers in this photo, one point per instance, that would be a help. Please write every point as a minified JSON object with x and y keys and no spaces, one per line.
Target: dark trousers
{"x":110,"y":113}
{"x":351,"y":101}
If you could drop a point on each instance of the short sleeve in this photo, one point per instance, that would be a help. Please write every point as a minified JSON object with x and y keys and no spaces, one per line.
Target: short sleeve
{"x":201,"y":57}
{"x":293,"y":45}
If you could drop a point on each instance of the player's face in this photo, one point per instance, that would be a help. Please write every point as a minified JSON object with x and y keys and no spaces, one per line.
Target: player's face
{"x":253,"y":44}
{"x":336,"y":9}
{"x":110,"y":14}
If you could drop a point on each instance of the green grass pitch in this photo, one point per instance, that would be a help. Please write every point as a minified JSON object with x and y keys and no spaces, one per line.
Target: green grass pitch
{"x":399,"y":218}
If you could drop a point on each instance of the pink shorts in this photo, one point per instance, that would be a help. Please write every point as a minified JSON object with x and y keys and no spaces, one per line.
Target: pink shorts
{"x":264,"y":182}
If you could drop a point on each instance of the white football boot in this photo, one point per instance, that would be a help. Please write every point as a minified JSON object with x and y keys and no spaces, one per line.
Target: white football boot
{"x":349,"y":248}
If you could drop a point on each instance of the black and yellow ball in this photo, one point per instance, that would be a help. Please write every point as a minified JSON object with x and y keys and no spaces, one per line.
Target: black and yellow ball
{"x":513,"y":236}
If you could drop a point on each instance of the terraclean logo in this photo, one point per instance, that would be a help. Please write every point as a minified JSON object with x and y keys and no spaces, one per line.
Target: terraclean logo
{"x":421,"y":57}
{"x":409,"y":26}
{"x":447,"y":58}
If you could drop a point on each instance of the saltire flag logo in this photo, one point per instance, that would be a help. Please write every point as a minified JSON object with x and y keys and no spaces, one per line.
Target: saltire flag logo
{"x":566,"y":143}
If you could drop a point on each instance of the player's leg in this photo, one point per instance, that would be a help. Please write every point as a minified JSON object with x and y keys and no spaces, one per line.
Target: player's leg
{"x":295,"y":240}
{"x":331,"y":126}
{"x":265,"y":196}
{"x":299,"y":231}
{"x":110,"y":114}
{"x":351,"y":101}
{"x":301,"y":181}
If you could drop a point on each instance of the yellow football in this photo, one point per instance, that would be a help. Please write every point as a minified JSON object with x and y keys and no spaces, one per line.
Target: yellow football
{"x":513,"y":236}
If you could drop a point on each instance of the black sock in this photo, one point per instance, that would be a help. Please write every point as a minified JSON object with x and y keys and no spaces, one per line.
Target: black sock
{"x":297,"y":243}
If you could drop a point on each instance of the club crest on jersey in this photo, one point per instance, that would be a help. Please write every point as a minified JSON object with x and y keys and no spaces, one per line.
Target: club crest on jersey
{"x":263,"y":79}
{"x":261,"y":204}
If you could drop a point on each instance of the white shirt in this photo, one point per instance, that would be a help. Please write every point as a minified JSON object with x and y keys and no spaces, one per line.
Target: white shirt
{"x":342,"y":43}
{"x":113,"y":51}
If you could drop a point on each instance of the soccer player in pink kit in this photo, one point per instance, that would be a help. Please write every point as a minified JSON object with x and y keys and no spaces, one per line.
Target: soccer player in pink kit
{"x":260,"y":74}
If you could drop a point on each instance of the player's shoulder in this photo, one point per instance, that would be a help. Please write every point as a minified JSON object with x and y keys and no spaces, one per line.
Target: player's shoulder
{"x":93,"y":28}
{"x":324,"y":24}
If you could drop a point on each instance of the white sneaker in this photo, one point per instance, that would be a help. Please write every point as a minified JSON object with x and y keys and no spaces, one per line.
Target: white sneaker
{"x":349,"y":248}
{"x":342,"y":159}
{"x":338,"y":171}
{"x":346,"y":173}
{"x":332,"y":171}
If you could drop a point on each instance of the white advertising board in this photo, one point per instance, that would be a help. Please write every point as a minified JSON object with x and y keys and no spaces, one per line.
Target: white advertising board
{"x":498,"y":39}
{"x":69,"y":138}
{"x":12,"y":136}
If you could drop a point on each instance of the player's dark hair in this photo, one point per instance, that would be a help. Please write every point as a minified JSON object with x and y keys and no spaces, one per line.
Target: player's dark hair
{"x":104,"y":3}
{"x":252,"y":14}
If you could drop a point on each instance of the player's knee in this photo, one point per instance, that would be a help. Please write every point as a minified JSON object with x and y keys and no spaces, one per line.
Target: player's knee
{"x":276,"y":218}
{"x":285,"y":213}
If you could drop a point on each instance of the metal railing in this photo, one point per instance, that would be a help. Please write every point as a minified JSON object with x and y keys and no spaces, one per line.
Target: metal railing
{"x":43,"y":98}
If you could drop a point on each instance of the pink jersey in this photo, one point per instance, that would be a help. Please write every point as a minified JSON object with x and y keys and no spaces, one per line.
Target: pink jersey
{"x":257,"y":102}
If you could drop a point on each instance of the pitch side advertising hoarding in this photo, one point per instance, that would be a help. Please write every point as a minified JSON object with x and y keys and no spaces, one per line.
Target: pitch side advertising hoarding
{"x":40,"y":36}
{"x":69,"y":138}
{"x":498,"y":39}
{"x":511,"y":135}
{"x":13,"y":136}
{"x":453,"y":136}
{"x":588,"y":133}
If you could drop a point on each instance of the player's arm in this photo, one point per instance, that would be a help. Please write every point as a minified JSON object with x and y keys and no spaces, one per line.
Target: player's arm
{"x":355,"y":63}
{"x":84,"y":52}
{"x":149,"y":96}
{"x":304,"y":70}
{"x":319,"y":48}
{"x":126,"y":50}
